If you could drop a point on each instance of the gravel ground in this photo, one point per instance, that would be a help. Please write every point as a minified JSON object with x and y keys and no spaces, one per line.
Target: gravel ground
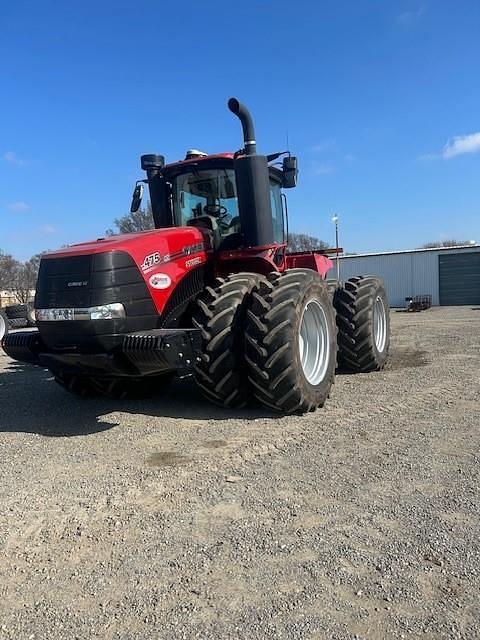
{"x":170,"y":518}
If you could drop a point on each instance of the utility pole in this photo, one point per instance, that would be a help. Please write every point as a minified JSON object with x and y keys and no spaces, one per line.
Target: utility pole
{"x":335,"y":221}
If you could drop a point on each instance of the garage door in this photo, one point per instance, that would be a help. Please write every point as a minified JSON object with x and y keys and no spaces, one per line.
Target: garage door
{"x":459,"y":278}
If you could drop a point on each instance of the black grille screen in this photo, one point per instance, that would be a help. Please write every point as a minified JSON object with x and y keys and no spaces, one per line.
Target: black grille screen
{"x":86,"y":281}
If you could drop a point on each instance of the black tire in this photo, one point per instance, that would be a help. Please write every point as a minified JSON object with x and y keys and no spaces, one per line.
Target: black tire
{"x":273,"y":350}
{"x":76,"y":384}
{"x":18,"y":323}
{"x":17,"y":311}
{"x":4,"y":324}
{"x":118,"y":389}
{"x":360,"y":346}
{"x":220,"y":313}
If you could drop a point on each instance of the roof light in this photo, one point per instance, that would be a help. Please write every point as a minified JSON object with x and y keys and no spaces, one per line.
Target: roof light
{"x":195,"y":153}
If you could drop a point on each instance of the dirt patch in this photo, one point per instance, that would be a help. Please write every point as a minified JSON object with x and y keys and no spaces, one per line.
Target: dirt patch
{"x":406,"y":358}
{"x":167,"y":459}
{"x":215,"y":444}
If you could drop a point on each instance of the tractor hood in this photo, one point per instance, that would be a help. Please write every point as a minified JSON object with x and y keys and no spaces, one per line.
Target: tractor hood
{"x":158,"y":260}
{"x":163,"y":239}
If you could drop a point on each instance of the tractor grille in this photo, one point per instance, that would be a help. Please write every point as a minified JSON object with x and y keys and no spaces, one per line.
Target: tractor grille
{"x":91,"y":280}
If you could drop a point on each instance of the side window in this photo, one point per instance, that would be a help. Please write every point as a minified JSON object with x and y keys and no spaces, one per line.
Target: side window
{"x":191,"y":205}
{"x":187,"y":204}
{"x":277,"y":211}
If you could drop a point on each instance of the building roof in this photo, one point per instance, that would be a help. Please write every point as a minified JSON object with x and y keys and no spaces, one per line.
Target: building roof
{"x":389,"y":253}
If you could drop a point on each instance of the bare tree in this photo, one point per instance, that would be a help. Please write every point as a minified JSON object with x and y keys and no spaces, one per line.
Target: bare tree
{"x":8,"y":271}
{"x":19,"y":277}
{"x":444,"y":243}
{"x":141,"y":220}
{"x":304,"y":242}
{"x":26,"y":280}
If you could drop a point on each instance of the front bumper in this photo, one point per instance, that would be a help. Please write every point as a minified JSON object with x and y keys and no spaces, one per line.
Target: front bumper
{"x":141,"y":353}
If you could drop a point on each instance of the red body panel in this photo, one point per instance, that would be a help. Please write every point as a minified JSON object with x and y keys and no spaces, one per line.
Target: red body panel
{"x":255,"y":259}
{"x":267,"y":259}
{"x":162,"y":252}
{"x":309,"y":260}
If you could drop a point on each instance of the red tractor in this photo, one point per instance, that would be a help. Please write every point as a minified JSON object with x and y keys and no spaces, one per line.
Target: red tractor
{"x":211,"y":292}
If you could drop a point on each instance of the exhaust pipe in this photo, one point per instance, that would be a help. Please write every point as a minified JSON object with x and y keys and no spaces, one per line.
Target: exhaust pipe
{"x":253,"y":184}
{"x":243,"y":114}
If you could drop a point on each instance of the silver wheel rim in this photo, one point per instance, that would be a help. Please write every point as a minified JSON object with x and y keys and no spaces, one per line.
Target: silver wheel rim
{"x":3,"y":327}
{"x":379,"y":324}
{"x":314,"y":342}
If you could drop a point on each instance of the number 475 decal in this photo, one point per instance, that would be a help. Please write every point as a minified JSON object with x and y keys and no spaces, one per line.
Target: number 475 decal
{"x":150,"y":261}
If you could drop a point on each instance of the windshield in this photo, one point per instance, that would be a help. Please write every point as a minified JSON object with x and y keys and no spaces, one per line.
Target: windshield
{"x":210,"y":192}
{"x":208,"y":198}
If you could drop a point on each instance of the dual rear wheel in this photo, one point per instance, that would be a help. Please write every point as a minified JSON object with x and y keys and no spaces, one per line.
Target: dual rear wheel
{"x":363,"y":324}
{"x":275,"y":337}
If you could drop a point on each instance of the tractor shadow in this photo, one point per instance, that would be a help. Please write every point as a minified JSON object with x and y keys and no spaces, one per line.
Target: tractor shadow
{"x":31,"y":402}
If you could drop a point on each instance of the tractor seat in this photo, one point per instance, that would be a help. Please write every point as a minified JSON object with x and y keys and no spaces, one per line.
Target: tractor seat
{"x":232,"y":241}
{"x":209,"y":224}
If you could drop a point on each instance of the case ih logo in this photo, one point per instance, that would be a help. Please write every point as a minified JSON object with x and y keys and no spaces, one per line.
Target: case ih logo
{"x":193,"y":262}
{"x":150,"y":261}
{"x":160,"y":281}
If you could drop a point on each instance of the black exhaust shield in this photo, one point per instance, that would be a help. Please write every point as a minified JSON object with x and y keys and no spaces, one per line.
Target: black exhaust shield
{"x":253,"y":184}
{"x":253,"y":189}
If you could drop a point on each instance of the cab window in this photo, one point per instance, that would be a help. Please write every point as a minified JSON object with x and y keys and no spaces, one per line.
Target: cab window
{"x":277,"y":210}
{"x":211,"y":193}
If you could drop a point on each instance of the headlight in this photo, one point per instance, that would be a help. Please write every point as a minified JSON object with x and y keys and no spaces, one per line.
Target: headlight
{"x":107,"y":311}
{"x":102,"y":312}
{"x":44,"y":315}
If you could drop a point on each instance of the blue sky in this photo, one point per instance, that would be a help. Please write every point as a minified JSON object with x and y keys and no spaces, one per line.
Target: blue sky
{"x":381,"y":102}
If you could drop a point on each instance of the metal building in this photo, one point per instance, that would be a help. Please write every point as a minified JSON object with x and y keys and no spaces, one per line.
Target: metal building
{"x":450,"y":275}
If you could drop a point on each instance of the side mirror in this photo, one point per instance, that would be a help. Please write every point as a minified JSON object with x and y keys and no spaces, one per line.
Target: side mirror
{"x":136,"y":198}
{"x":290,"y":172}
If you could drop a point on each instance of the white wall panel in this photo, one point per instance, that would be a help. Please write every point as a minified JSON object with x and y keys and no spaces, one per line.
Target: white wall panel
{"x":405,"y":273}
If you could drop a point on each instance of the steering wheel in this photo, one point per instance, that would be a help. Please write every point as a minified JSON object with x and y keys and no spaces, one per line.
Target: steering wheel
{"x":217,"y":210}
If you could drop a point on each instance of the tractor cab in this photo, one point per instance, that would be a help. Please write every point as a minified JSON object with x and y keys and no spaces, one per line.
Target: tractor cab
{"x":204,"y":194}
{"x":235,"y":199}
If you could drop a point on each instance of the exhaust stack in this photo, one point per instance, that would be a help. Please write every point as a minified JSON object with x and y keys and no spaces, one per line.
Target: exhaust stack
{"x":243,"y":114}
{"x":253,"y":184}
